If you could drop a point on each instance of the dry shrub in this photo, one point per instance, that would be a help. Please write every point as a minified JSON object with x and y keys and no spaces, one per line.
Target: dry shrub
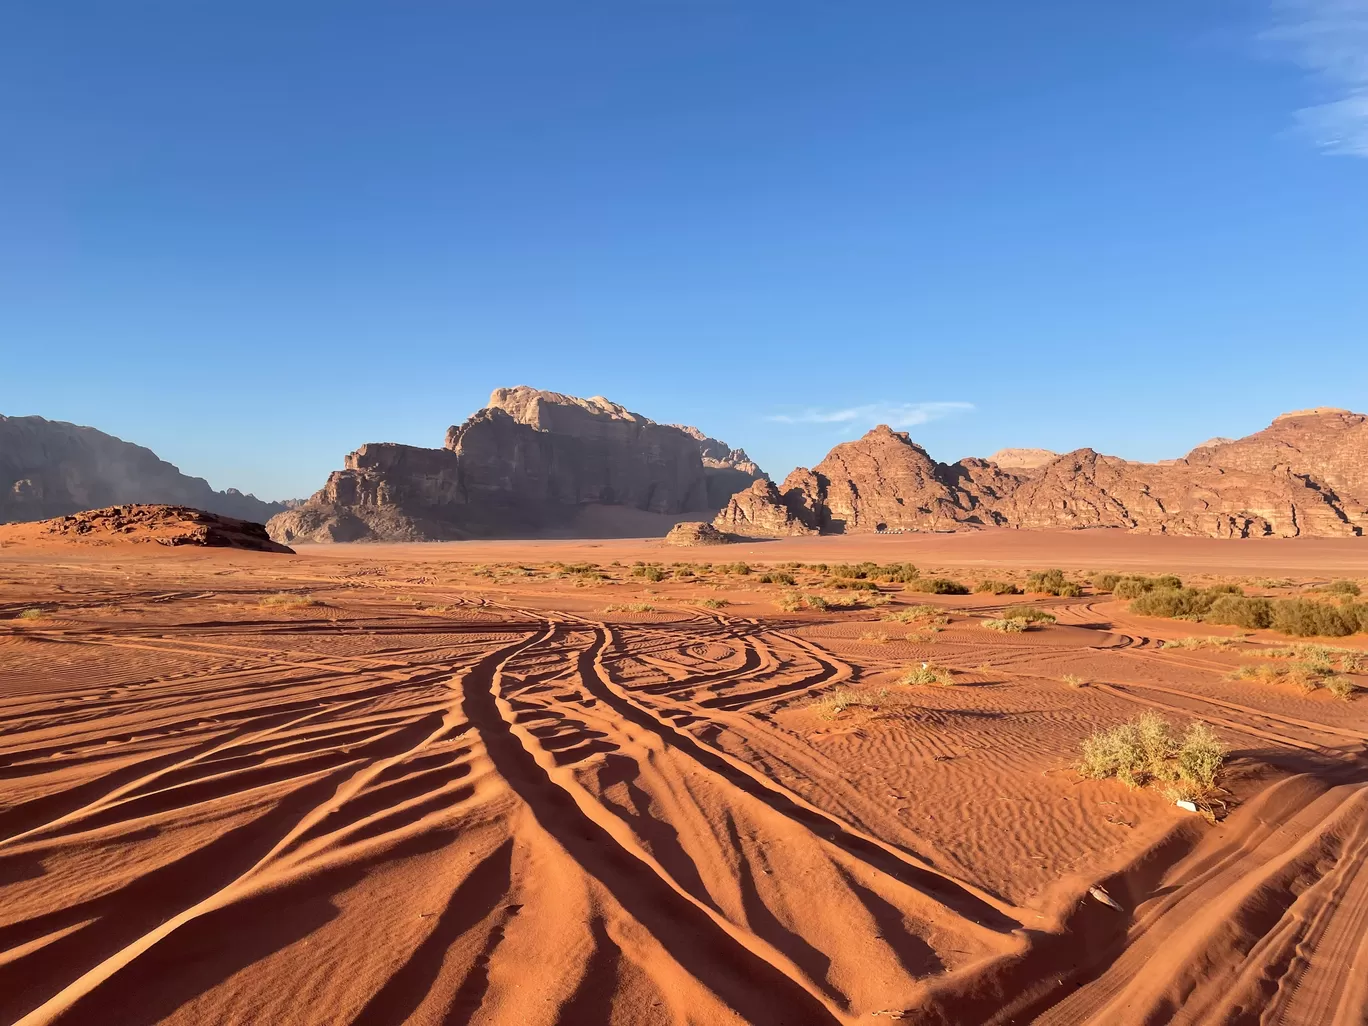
{"x":630,"y":607}
{"x":1218,"y":643}
{"x":31,"y":614}
{"x":1074,"y":681}
{"x":928,"y":673}
{"x":918,"y":614}
{"x":1143,"y":750}
{"x":714,"y":603}
{"x":289,"y":600}
{"x":1341,"y":687}
{"x":1052,"y":582}
{"x":1028,"y":613}
{"x":832,"y":705}
{"x":937,"y":586}
{"x":777,"y":577}
{"x":992,"y":587}
{"x":1006,"y":626}
{"x":876,"y":637}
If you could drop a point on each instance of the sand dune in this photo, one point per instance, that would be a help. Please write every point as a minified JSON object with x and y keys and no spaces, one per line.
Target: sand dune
{"x":383,"y":786}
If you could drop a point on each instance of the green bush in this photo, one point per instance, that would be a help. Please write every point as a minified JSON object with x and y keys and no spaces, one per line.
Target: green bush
{"x":1239,"y":611}
{"x":1028,"y":613}
{"x":1144,"y":750}
{"x":1306,"y":618}
{"x":937,"y":586}
{"x":654,"y":574}
{"x":1006,"y":626}
{"x":1052,"y":582}
{"x":843,"y":584}
{"x":777,"y":577}
{"x":1340,"y":588}
{"x":997,"y":587}
{"x":928,"y":673}
{"x":1104,"y":582}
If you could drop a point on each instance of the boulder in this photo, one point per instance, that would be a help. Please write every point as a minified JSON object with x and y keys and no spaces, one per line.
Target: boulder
{"x":695,"y":532}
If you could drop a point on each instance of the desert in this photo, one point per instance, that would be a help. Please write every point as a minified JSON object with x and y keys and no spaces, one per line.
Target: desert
{"x":588,"y":781}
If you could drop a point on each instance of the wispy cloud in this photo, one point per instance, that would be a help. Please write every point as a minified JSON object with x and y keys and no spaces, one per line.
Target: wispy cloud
{"x":1329,"y":38}
{"x":898,"y":415}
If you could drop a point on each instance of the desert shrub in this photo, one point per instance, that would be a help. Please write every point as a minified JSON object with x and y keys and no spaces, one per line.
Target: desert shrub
{"x":1006,"y":626}
{"x":898,"y":573}
{"x":918,"y":614}
{"x":992,"y":587}
{"x":1169,"y":602}
{"x":1239,"y":611}
{"x":1200,"y":756}
{"x":1308,"y":618}
{"x":854,"y":571}
{"x":1074,"y":681}
{"x":838,"y":701}
{"x":816,"y":602}
{"x":289,"y":600}
{"x":630,"y":607}
{"x":1221,"y":643}
{"x":876,"y":637}
{"x":1340,"y":588}
{"x":843,"y":584}
{"x":654,"y":574}
{"x":928,"y":673}
{"x":937,"y":586}
{"x":1028,"y":613}
{"x":1145,"y":749}
{"x":737,"y":568}
{"x":1353,"y":662}
{"x":714,"y":603}
{"x":1052,"y":582}
{"x":1104,"y":582}
{"x":31,"y":614}
{"x":789,"y":602}
{"x":1340,"y":687}
{"x":1134,"y":585}
{"x":777,"y":577}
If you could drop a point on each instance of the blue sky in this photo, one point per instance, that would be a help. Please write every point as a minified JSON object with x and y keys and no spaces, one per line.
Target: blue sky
{"x":254,"y":235}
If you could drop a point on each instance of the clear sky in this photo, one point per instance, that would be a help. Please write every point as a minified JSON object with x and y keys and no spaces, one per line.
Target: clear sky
{"x":253,"y":235}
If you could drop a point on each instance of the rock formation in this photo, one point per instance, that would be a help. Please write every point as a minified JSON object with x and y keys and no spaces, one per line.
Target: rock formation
{"x":49,"y":468}
{"x":727,"y":470}
{"x":694,"y":532}
{"x":1022,"y":459}
{"x":1306,"y":475}
{"x":148,"y":524}
{"x":526,"y":463}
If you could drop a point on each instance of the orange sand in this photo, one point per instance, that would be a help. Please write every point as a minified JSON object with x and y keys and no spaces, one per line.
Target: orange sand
{"x":452,"y":791}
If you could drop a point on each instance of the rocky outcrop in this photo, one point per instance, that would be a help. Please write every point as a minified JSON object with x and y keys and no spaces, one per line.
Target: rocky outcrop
{"x":726,"y":470}
{"x":1022,"y":459}
{"x":49,"y":468}
{"x":527,"y":463}
{"x":1306,"y":475}
{"x":693,"y":532}
{"x":149,"y":524}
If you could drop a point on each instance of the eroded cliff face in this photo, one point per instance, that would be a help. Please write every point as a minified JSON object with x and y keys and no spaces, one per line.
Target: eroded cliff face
{"x":526,"y":463}
{"x":1306,"y":475}
{"x":49,"y":468}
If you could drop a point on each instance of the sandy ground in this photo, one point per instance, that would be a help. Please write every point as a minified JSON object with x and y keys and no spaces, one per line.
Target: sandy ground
{"x":455,"y":783}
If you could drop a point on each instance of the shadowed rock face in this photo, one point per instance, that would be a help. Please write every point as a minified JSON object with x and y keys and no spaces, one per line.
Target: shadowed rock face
{"x":49,"y":468}
{"x":1306,"y":475}
{"x":153,"y":524}
{"x":526,"y":463}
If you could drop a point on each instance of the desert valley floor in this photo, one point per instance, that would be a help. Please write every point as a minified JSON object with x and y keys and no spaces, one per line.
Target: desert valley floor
{"x":485,"y":782}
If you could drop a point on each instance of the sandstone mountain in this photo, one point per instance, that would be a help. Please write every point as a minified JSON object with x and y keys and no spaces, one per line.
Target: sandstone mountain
{"x":727,"y":470}
{"x":1305,"y":475}
{"x":529,"y":462}
{"x":49,"y":468}
{"x":147,"y":524}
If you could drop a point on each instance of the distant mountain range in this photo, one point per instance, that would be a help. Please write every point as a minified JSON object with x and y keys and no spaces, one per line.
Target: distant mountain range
{"x":1305,"y":475}
{"x":49,"y":468}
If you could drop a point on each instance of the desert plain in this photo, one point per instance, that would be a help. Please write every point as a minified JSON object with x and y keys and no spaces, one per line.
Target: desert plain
{"x":614,"y":782}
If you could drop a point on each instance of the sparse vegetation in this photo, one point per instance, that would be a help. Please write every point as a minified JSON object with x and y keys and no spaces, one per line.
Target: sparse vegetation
{"x":991,"y":587}
{"x":918,"y":614}
{"x":1227,"y":604}
{"x":289,"y":600}
{"x":1052,"y":582}
{"x":1143,"y":750}
{"x":31,"y":614}
{"x":1074,"y":681}
{"x":937,"y":586}
{"x":1028,"y":613}
{"x":928,"y":673}
{"x":1104,"y":582}
{"x":777,"y":577}
{"x":649,"y":572}
{"x":630,"y":607}
{"x":1341,"y":687}
{"x":1198,"y":642}
{"x":838,"y":701}
{"x":1006,"y":626}
{"x":714,"y":603}
{"x":875,"y":637}
{"x":1339,"y":588}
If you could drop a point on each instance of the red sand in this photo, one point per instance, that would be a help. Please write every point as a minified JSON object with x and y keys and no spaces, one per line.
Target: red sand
{"x":429,"y":788}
